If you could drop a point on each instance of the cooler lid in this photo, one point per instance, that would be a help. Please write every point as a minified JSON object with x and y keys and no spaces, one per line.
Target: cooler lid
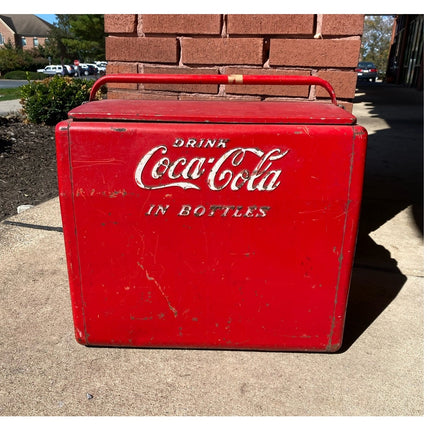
{"x":193,"y":111}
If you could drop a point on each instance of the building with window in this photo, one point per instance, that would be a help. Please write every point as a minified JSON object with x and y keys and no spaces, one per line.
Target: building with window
{"x":23,"y":31}
{"x":406,"y":59}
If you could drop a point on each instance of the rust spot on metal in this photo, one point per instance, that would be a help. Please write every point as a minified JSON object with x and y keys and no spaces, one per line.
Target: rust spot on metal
{"x":359,"y":132}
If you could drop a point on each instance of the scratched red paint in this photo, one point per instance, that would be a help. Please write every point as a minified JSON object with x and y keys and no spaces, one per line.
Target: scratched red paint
{"x":210,"y":224}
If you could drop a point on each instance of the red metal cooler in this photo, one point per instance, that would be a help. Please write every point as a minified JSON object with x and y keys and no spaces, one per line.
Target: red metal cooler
{"x":210,"y":224}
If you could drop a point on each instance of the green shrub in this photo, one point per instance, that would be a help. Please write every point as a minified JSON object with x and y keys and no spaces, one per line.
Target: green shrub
{"x":22,"y":74}
{"x":49,"y":101}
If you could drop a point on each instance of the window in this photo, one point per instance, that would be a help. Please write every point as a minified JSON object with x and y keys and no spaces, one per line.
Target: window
{"x":1,"y":39}
{"x":23,"y":41}
{"x":35,"y":41}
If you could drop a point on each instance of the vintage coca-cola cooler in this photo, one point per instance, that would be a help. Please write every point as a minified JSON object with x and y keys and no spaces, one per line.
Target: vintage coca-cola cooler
{"x":210,"y":224}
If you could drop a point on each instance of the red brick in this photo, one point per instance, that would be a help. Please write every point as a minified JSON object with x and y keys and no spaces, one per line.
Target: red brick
{"x":268,"y":90}
{"x":190,"y":88}
{"x":315,"y":52}
{"x":342,"y":103}
{"x":139,"y":95}
{"x":348,"y":106}
{"x":120,"y":23}
{"x":113,"y":67}
{"x":271,"y":24}
{"x":218,"y":98}
{"x":181,"y":24}
{"x":113,"y":94}
{"x":122,"y":68}
{"x":342,"y":25}
{"x":343,"y":83}
{"x":157,"y":96}
{"x":148,"y":49}
{"x":222,"y":51}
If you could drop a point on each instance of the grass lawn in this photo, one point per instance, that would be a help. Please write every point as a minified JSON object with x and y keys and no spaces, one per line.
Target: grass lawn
{"x":10,"y":93}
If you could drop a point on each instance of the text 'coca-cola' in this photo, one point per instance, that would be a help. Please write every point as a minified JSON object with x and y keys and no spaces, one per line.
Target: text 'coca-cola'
{"x":160,"y":170}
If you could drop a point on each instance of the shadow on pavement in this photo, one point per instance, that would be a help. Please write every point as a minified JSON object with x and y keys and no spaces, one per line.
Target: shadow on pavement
{"x":394,"y":180}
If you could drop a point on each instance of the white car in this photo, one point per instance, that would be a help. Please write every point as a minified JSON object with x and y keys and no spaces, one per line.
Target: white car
{"x":101,"y":65}
{"x":54,"y":70}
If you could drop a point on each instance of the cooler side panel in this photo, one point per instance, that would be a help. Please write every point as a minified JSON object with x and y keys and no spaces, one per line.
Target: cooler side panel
{"x":346,"y":259}
{"x":65,"y":186}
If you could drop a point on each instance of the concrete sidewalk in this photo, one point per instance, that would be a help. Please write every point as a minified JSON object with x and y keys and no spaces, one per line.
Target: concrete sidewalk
{"x":9,"y":106}
{"x":379,"y":370}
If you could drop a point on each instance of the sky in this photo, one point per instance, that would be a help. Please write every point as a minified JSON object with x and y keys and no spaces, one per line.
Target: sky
{"x":47,"y":17}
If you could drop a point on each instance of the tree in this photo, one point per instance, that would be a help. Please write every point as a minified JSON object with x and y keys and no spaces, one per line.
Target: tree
{"x":78,"y":37}
{"x":12,"y":58}
{"x":375,"y":45}
{"x":9,"y":58}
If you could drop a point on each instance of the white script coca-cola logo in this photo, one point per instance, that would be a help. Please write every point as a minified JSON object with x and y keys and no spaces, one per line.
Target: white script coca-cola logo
{"x":226,"y":171}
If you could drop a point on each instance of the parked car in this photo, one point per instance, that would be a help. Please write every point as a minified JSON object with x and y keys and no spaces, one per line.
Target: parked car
{"x":77,"y":70}
{"x":101,"y":65}
{"x":70,"y":70}
{"x":366,"y":70}
{"x":88,"y":69}
{"x":54,"y":70}
{"x":95,"y":66}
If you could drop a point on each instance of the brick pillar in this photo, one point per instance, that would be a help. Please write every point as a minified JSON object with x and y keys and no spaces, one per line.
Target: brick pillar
{"x":319,"y":45}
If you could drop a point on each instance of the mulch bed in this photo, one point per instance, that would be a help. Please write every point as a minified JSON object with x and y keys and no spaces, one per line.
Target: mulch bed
{"x":28,"y":168}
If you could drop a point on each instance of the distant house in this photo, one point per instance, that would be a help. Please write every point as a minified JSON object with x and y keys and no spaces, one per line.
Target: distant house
{"x":23,"y":31}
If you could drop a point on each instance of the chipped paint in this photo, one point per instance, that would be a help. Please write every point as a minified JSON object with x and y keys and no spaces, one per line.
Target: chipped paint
{"x":163,"y":293}
{"x":116,"y":193}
